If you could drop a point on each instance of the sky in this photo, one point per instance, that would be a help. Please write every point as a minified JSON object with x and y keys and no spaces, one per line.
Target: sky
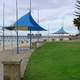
{"x":53,"y":14}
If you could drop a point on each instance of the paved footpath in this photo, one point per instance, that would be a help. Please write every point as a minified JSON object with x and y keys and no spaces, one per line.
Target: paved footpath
{"x":10,"y":55}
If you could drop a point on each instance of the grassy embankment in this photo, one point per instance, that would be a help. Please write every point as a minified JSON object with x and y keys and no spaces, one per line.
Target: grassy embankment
{"x":55,"y":61}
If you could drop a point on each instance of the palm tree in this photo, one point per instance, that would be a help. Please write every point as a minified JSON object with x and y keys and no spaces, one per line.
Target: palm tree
{"x":76,"y":20}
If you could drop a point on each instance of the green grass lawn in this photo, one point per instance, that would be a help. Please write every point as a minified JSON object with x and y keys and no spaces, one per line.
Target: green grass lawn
{"x":55,"y":61}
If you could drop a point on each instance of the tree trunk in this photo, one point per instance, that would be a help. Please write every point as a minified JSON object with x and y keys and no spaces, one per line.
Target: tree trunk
{"x":79,"y":29}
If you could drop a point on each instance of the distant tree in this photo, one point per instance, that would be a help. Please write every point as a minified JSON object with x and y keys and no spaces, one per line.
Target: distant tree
{"x":77,"y":14}
{"x":77,"y":22}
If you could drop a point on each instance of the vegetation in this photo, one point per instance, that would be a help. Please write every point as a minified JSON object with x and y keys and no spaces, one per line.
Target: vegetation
{"x":77,"y":13}
{"x":55,"y":61}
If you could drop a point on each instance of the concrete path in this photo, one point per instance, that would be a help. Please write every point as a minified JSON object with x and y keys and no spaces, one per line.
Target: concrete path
{"x":10,"y":55}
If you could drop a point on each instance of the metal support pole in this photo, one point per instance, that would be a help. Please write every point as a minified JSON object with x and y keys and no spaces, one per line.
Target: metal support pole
{"x":30,"y":5}
{"x":48,"y":33}
{"x":3,"y":25}
{"x":30,"y":30}
{"x":30,"y":39}
{"x":38,"y":31}
{"x":17,"y":27}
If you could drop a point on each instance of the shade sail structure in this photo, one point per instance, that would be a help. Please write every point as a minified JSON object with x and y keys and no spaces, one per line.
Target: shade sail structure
{"x":28,"y":21}
{"x":61,"y":31}
{"x":10,"y":28}
{"x":14,"y":28}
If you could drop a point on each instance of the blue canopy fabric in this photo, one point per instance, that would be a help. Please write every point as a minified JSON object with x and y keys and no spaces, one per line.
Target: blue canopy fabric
{"x":28,"y":21}
{"x":61,"y":31}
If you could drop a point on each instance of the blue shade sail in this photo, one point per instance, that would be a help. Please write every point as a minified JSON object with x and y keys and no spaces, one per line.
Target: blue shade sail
{"x":28,"y":21}
{"x":61,"y":31}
